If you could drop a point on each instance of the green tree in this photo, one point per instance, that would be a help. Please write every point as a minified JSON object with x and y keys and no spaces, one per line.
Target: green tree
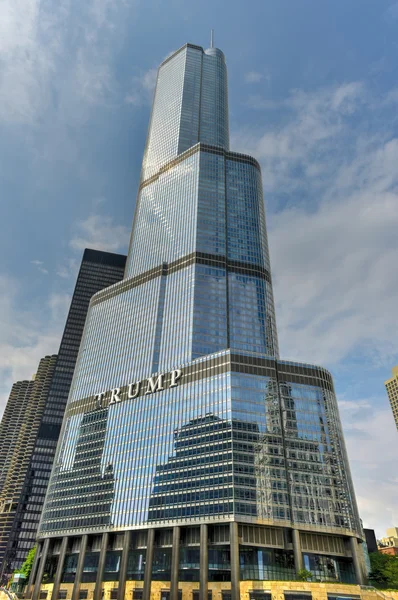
{"x":26,"y":568}
{"x":384,"y":570}
{"x":304,"y":575}
{"x":391,"y":571}
{"x":378,"y":563}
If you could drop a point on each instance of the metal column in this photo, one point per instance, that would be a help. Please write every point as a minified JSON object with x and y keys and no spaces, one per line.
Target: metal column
{"x":123,"y":565}
{"x":357,"y":565}
{"x":29,"y":589}
{"x":298,"y":555}
{"x":101,"y":566}
{"x":235,"y":575}
{"x":40,"y":570}
{"x":175,"y":561}
{"x":148,"y":565}
{"x":204,"y":563}
{"x":79,"y":569}
{"x":58,"y":574}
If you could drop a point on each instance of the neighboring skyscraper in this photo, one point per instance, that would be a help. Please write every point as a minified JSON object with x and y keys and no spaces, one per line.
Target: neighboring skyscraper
{"x":371,"y":541}
{"x":392,"y":391}
{"x":12,"y":426}
{"x":228,"y":465}
{"x":19,"y":426}
{"x":98,"y":270}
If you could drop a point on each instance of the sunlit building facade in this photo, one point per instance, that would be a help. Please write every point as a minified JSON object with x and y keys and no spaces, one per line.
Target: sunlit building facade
{"x":392,"y":392}
{"x":193,"y":461}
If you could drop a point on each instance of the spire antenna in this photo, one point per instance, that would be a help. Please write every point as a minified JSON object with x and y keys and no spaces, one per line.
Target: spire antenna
{"x":211,"y":38}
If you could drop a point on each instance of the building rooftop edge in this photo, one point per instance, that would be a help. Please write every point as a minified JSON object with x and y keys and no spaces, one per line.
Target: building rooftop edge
{"x":103,"y":256}
{"x":187,"y":45}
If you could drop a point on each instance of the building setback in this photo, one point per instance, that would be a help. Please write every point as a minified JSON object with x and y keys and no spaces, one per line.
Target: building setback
{"x":20,"y":426}
{"x":392,"y":392}
{"x":192,"y":461}
{"x":98,"y":270}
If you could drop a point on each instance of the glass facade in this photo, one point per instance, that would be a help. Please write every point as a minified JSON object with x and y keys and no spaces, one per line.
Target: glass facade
{"x":182,"y":422}
{"x":232,"y":440}
{"x":190,"y":106}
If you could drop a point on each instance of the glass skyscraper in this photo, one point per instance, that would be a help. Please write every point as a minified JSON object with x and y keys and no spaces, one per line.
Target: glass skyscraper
{"x":191,"y":458}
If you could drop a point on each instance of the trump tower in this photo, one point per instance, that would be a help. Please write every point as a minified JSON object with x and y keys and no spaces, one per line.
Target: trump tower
{"x":193,"y":463}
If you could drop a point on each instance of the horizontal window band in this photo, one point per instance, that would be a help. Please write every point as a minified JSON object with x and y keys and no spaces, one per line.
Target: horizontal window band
{"x":200,"y":258}
{"x":200,"y":147}
{"x":219,"y":365}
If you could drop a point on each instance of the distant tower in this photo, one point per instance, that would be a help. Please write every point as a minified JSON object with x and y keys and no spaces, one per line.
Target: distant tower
{"x":228,"y":465}
{"x":18,"y":432}
{"x":392,"y":392}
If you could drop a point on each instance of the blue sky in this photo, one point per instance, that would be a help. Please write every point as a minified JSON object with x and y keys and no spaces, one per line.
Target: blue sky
{"x":313,"y":95}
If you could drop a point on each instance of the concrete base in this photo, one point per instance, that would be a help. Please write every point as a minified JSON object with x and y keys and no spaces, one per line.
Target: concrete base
{"x":319,"y":591}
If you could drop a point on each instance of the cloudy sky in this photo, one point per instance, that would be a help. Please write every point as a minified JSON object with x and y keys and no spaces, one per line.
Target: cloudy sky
{"x":313,"y":95}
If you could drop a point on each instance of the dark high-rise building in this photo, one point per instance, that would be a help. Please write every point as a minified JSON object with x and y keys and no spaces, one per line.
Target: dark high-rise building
{"x":20,"y":426}
{"x":98,"y":270}
{"x":228,"y":465}
{"x":371,"y":541}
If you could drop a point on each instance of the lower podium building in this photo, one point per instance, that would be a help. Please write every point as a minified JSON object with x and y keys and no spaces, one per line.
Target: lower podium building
{"x":239,"y":472}
{"x":193,"y":463}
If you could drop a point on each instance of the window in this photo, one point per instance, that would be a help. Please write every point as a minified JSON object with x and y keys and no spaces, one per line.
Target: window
{"x":165,"y":595}
{"x":195,"y":595}
{"x":83,"y":594}
{"x":298,"y":595}
{"x":62,"y":594}
{"x":43,"y":595}
{"x":259,"y":595}
{"x":226,"y":594}
{"x":138,"y":594}
{"x":343,"y":597}
{"x":114,"y":594}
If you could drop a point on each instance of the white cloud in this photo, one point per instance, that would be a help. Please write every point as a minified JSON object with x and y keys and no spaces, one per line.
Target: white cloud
{"x":99,"y":232}
{"x":308,"y":139}
{"x":39,"y":264}
{"x":67,"y":269}
{"x":142,"y":88}
{"x":253,"y":77}
{"x":25,"y":64}
{"x":26,"y":335}
{"x":371,"y":439}
{"x":391,"y":14}
{"x":59,"y":306}
{"x":392,"y":96}
{"x":333,"y":274}
{"x":40,"y":62}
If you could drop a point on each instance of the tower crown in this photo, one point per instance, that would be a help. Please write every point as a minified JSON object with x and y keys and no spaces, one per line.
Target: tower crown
{"x":190,"y":106}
